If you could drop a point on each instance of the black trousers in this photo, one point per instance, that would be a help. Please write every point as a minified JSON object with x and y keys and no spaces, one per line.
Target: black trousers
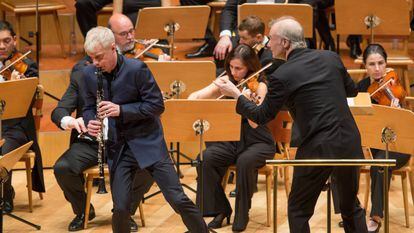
{"x":217,"y":158}
{"x":306,"y":187}
{"x":86,"y":11}
{"x":14,"y":137}
{"x":166,"y":178}
{"x":377,"y":179}
{"x":69,"y":169}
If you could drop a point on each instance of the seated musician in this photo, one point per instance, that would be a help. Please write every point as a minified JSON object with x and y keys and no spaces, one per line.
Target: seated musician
{"x":251,"y":31}
{"x":83,"y":152}
{"x":127,"y":45}
{"x":19,"y":131}
{"x":375,"y":61}
{"x":249,"y":154}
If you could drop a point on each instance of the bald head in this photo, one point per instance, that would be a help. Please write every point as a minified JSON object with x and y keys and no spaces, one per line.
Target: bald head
{"x":290,"y":29}
{"x":123,"y":30}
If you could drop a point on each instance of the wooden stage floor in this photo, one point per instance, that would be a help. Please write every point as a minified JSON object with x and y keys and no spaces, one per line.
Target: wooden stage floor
{"x":54,"y":213}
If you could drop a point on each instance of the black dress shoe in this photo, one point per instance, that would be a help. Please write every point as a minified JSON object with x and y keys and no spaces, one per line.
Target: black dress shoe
{"x":341,"y":224}
{"x":77,"y":222}
{"x":232,"y":193}
{"x":240,"y":227}
{"x":206,"y":50}
{"x":133,"y":225}
{"x":217,"y":222}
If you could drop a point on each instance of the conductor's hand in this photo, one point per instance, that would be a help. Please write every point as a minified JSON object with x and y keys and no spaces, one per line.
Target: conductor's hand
{"x":94,"y":127}
{"x":223,"y":46}
{"x":108,"y":109}
{"x":77,"y":124}
{"x":227,"y":88}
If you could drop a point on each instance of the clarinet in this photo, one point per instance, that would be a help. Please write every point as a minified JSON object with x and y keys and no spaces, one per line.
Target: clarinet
{"x":100,"y":136}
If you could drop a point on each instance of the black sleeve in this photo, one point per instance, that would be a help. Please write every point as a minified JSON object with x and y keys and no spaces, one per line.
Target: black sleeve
{"x":32,"y":69}
{"x":228,"y":20}
{"x":272,"y":104}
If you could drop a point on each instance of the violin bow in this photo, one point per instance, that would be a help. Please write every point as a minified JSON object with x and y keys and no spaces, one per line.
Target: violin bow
{"x":15,"y":61}
{"x":383,"y":85}
{"x":251,"y":76}
{"x":147,"y":48}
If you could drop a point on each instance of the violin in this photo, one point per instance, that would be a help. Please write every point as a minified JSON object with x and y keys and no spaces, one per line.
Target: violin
{"x":15,"y":63}
{"x":144,"y":52}
{"x":252,"y":80}
{"x":388,"y":90}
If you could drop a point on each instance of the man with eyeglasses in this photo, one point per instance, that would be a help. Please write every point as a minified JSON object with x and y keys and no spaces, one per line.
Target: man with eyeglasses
{"x":82,"y":153}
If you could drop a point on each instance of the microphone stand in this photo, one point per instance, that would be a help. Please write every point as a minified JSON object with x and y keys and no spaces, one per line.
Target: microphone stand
{"x":37,"y":34}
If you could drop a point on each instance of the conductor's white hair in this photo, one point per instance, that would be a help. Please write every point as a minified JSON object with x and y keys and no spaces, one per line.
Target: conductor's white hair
{"x":98,"y":36}
{"x":289,"y":28}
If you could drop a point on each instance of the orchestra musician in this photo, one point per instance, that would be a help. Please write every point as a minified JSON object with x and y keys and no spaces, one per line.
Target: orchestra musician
{"x":127,"y":45}
{"x":375,"y":61}
{"x":228,"y":23}
{"x":313,"y":85}
{"x":133,"y":104}
{"x":250,"y":153}
{"x":251,"y":31}
{"x":86,"y":11}
{"x":18,"y":131}
{"x":82,"y":153}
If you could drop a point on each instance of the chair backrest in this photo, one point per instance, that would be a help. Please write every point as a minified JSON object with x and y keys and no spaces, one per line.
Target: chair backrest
{"x":37,"y":106}
{"x":281,"y":129}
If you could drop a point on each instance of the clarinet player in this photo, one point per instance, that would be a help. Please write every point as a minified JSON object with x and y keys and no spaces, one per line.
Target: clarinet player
{"x":133,"y":104}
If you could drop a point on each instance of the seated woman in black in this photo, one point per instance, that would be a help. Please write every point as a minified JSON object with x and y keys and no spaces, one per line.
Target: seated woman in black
{"x":250,"y":153}
{"x":375,"y":60}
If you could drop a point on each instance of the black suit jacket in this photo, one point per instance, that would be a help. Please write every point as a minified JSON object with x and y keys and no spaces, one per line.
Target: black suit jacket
{"x":72,"y":99}
{"x":133,"y":87}
{"x":314,"y":85}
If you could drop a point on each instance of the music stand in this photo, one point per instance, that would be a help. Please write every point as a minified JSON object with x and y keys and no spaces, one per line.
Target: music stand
{"x":182,"y":22}
{"x":380,"y":17}
{"x":201,"y":121}
{"x":15,"y":99}
{"x":303,"y":13}
{"x":190,"y":76}
{"x":383,"y":130}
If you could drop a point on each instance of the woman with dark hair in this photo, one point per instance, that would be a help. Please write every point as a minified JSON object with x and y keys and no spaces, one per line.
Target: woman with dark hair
{"x":375,"y":61}
{"x":250,"y":153}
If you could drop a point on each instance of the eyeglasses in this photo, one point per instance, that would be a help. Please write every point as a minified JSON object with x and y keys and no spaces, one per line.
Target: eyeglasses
{"x":126,"y":33}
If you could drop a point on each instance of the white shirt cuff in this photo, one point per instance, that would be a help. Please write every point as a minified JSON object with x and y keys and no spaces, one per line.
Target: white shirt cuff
{"x":65,"y":121}
{"x":225,"y":33}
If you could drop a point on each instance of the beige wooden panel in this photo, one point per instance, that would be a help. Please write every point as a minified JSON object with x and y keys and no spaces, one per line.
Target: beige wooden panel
{"x":195,"y":75}
{"x":55,"y":82}
{"x":52,"y":145}
{"x":192,"y":21}
{"x":180,"y":116}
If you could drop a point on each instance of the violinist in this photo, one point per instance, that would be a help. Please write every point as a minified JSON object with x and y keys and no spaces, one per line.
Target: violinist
{"x":250,"y":153}
{"x":8,"y":53}
{"x":19,"y":131}
{"x":375,"y":61}
{"x":126,"y":43}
